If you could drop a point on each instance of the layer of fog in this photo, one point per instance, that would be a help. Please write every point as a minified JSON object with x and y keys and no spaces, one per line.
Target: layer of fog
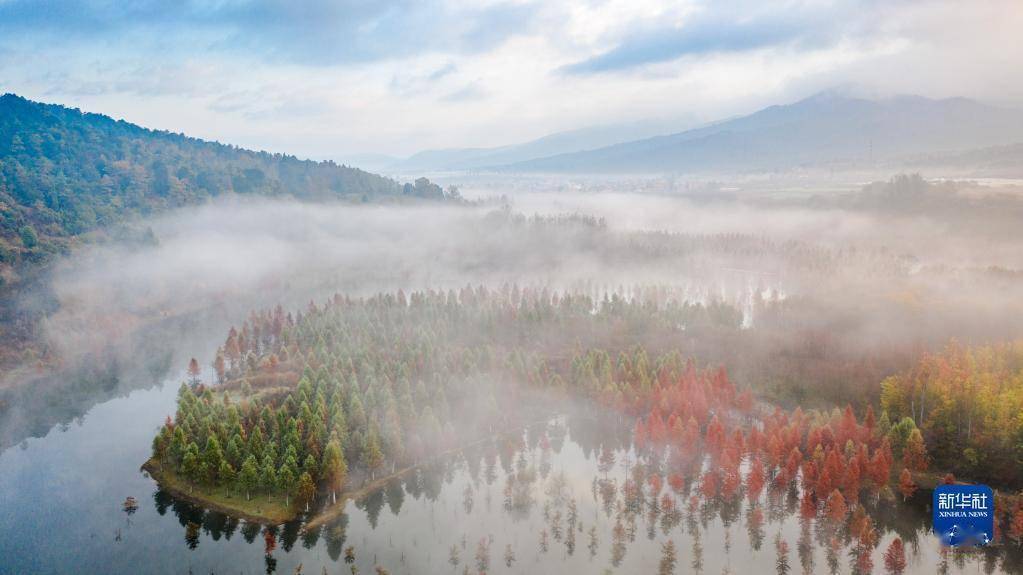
{"x":778,"y":210}
{"x":846,"y":285}
{"x":224,"y":259}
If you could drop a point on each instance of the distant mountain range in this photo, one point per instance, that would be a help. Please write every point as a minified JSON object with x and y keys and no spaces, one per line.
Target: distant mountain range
{"x":464,"y":159}
{"x":825,"y":130}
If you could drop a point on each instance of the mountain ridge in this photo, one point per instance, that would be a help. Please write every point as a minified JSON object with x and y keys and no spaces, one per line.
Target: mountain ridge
{"x":821,"y":129}
{"x":585,"y":138}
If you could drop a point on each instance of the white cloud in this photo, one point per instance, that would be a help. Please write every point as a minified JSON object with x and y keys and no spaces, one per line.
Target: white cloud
{"x":400,"y":99}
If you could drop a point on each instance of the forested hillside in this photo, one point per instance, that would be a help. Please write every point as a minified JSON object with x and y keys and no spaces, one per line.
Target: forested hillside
{"x":64,"y":172}
{"x":66,"y":175}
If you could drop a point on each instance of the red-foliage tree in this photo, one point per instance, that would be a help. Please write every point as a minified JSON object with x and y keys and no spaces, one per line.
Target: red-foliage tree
{"x":1016,"y":524}
{"x":895,"y":557}
{"x":755,"y":480}
{"x":906,"y":485}
{"x":709,"y":484}
{"x":835,"y":507}
{"x":193,"y":371}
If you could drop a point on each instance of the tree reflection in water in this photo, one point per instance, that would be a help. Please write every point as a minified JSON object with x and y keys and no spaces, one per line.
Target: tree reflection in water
{"x":580,"y":481}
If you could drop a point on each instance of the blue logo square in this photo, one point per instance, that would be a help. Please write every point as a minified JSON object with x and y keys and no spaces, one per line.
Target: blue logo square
{"x":964,"y":514}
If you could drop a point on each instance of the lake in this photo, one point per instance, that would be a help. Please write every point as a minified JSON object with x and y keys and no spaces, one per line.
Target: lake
{"x":550,"y":501}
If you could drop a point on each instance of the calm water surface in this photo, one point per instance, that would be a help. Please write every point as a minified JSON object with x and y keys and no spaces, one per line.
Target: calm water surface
{"x":543,"y":503}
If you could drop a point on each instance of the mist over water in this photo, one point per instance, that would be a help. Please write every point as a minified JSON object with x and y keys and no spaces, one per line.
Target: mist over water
{"x":812,"y":284}
{"x":864,"y":280}
{"x":909,"y":278}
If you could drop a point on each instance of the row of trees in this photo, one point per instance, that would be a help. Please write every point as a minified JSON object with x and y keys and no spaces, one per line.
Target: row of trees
{"x":831,"y":455}
{"x":838,"y":465}
{"x":705,"y":440}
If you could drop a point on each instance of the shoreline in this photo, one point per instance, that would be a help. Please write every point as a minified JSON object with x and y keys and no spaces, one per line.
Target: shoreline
{"x":169,"y":482}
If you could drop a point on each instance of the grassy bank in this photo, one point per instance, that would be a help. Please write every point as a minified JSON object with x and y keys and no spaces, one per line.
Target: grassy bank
{"x":233,"y":503}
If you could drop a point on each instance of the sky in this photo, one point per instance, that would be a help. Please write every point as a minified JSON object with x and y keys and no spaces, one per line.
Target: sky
{"x":323,"y":79}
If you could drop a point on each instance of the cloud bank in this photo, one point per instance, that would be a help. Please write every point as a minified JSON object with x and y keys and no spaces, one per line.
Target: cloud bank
{"x":327,"y":79}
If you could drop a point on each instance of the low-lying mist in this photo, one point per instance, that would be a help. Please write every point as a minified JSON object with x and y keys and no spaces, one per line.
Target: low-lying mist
{"x":830,"y":292}
{"x":229,"y":257}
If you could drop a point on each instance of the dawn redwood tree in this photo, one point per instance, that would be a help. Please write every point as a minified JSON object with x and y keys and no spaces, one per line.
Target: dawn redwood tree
{"x":879,"y":470}
{"x":851,"y":482}
{"x":869,"y":422}
{"x":194,"y":372}
{"x":864,"y":560}
{"x":213,"y":455}
{"x":730,"y":482}
{"x":915,"y":454}
{"x":656,"y":483}
{"x":306,"y":490}
{"x":906,"y":485}
{"x":286,"y":482}
{"x":835,"y":507}
{"x":232,"y":351}
{"x":191,"y":465}
{"x":226,"y":474}
{"x":219,"y":368}
{"x":755,"y":480}
{"x":895,"y":557}
{"x":268,"y":476}
{"x":160,"y":445}
{"x":248,"y":477}
{"x":824,"y":484}
{"x":372,"y":456}
{"x":709,"y":484}
{"x":754,"y":525}
{"x":178,"y":445}
{"x":807,"y":506}
{"x":310,"y":466}
{"x":234,"y":450}
{"x":334,"y":468}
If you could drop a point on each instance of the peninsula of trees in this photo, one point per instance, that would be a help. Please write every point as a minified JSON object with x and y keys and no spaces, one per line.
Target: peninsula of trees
{"x":315,"y":402}
{"x":359,"y":386}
